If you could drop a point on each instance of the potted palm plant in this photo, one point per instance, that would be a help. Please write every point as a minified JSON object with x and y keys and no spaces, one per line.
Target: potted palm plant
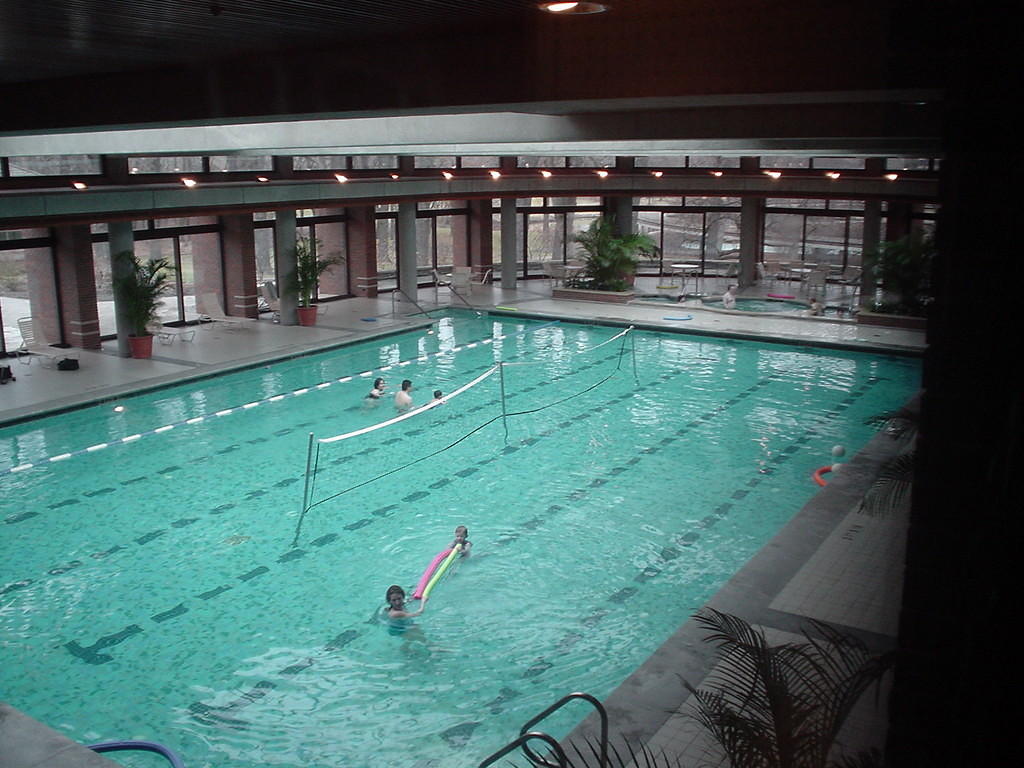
{"x":138,"y":288}
{"x":308,"y":269}
{"x":610,"y":258}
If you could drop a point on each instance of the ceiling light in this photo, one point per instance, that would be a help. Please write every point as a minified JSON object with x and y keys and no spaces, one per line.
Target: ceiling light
{"x":892,"y":176}
{"x":602,"y":173}
{"x":495,"y":175}
{"x":656,"y":174}
{"x":833,"y":174}
{"x":773,"y":174}
{"x":394,"y":176}
{"x":342,"y":178}
{"x":546,"y":174}
{"x":79,"y":185}
{"x":715,"y":173}
{"x":188,"y":182}
{"x":573,"y":9}
{"x":447,"y":176}
{"x":262,"y":179}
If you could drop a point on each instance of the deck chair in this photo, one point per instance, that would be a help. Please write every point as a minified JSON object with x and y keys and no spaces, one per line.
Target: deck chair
{"x":460,"y":282}
{"x":271,"y":299}
{"x":553,"y":270}
{"x":481,"y":280}
{"x":210,"y":309}
{"x":35,"y":346}
{"x":815,"y":281}
{"x":167,"y":335}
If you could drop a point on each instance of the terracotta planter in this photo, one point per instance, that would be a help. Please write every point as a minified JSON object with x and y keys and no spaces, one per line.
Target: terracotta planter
{"x":588,"y":294}
{"x":141,"y":346}
{"x":307,"y":315}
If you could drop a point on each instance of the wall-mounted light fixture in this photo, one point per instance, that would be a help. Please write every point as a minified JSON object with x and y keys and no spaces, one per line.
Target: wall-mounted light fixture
{"x":341,"y":178}
{"x":448,"y":176}
{"x":657,"y":174}
{"x":79,"y":185}
{"x":602,"y":173}
{"x":715,"y":173}
{"x":833,"y":174}
{"x":262,"y":179}
{"x":189,"y":182}
{"x":495,"y":175}
{"x":394,"y":176}
{"x":546,"y":174}
{"x":773,"y":174}
{"x":892,"y":176}
{"x":566,"y":8}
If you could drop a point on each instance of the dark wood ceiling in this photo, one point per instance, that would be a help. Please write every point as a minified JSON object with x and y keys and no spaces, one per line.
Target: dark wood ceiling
{"x":47,"y":39}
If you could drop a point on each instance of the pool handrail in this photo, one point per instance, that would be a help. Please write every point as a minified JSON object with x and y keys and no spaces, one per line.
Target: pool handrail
{"x":521,"y":742}
{"x":602,"y":713}
{"x":147,"y":746}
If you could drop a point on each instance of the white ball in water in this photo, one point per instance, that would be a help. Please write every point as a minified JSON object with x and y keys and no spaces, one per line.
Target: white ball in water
{"x":836,"y":468}
{"x":838,"y":450}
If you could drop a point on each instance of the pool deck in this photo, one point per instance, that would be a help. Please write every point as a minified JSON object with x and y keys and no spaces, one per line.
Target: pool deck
{"x":830,"y":563}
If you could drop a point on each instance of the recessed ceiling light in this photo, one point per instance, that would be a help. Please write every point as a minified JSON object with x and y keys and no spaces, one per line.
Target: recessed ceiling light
{"x":546,"y":174}
{"x":447,"y":176}
{"x":602,"y":173}
{"x":188,"y":182}
{"x":715,"y":173}
{"x":573,"y":9}
{"x":79,"y":185}
{"x":394,"y":176}
{"x":773,"y":174}
{"x":657,"y":174}
{"x":833,"y":174}
{"x":495,"y":175}
{"x":262,"y":179}
{"x":342,"y":178}
{"x":892,"y":176}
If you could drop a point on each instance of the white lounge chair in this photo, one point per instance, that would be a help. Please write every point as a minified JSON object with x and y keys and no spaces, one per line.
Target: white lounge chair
{"x":209,"y":307}
{"x":35,"y":346}
{"x":271,"y":299}
{"x":167,"y":335}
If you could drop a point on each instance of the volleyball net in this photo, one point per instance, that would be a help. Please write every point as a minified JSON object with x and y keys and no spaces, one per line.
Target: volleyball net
{"x":500,"y":411}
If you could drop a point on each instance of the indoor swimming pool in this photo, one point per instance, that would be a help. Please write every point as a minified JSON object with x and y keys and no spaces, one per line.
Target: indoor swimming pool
{"x":161,"y":580}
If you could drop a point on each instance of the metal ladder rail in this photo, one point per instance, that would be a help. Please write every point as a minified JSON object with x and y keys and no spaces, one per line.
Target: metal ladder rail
{"x":409,"y":299}
{"x":558,"y":705}
{"x":143,"y":746}
{"x":563,"y":761}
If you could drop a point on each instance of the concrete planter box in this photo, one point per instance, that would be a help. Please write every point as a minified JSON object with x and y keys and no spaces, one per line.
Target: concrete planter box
{"x":585,"y":294}
{"x":892,"y":321}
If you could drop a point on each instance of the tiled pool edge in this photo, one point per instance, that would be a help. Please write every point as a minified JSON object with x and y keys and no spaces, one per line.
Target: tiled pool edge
{"x":649,"y":697}
{"x":26,"y":742}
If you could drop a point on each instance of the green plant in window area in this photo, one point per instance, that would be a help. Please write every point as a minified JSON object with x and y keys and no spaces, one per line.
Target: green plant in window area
{"x":782,"y":706}
{"x":890,"y":494}
{"x":903,"y":269}
{"x":309,"y":267}
{"x":610,"y":259}
{"x":139,"y":287}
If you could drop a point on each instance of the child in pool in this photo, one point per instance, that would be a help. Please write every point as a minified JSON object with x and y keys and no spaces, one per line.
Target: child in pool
{"x":396,"y":604}
{"x":462,"y":537}
{"x":378,"y":390}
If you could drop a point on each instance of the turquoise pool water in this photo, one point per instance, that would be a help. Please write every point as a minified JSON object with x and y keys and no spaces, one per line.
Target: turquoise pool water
{"x":150,"y":589}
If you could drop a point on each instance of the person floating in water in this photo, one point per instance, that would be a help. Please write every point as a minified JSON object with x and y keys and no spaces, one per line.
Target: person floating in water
{"x":462,"y":537}
{"x":396,"y":604}
{"x":378,"y":390}
{"x":815,"y":306}
{"x":403,"y":400}
{"x":437,"y":395}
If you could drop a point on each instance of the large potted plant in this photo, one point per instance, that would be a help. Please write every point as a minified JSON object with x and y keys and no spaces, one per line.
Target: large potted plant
{"x":138,"y":287}
{"x":902,"y":268}
{"x":308,"y":269}
{"x":610,"y":259}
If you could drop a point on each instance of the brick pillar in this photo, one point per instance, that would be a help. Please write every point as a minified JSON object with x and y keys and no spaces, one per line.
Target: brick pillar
{"x":481,"y":245}
{"x":238,"y":246}
{"x":77,"y":287}
{"x":333,"y":282}
{"x":362,"y":250}
{"x":462,"y":249}
{"x":897,"y":222}
{"x":41,"y":277}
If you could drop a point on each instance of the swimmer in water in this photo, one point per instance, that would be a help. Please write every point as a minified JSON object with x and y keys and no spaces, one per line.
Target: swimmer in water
{"x":396,"y":604}
{"x":462,"y":537}
{"x":377,"y":392}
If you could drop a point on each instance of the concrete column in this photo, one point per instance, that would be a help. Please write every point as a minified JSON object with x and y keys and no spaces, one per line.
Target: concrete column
{"x":407,"y":279}
{"x":897,"y":222}
{"x":508,"y":244}
{"x":41,"y":279}
{"x":284,"y":256}
{"x":461,"y":247}
{"x":80,"y":319}
{"x":751,"y":225}
{"x":121,"y":239}
{"x":362,"y":250}
{"x":238,"y":254}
